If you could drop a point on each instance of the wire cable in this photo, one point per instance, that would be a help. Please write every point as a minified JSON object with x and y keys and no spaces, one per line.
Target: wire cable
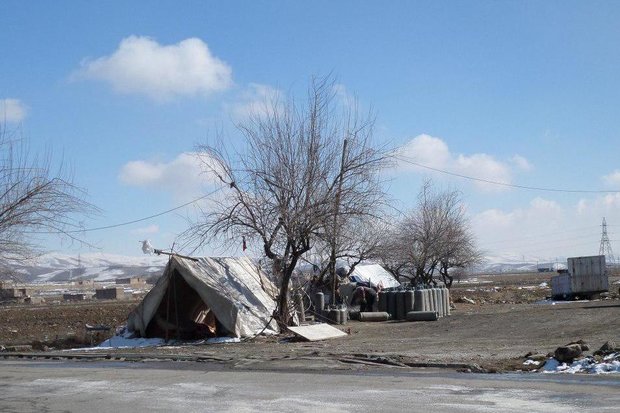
{"x":488,"y":181}
{"x":122,"y":224}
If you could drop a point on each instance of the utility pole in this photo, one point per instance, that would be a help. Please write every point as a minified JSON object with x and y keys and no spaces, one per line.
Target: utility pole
{"x":332,"y":260}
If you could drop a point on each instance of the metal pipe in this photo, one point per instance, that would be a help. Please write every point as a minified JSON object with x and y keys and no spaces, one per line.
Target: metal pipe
{"x":374,"y":316}
{"x":422,"y":316}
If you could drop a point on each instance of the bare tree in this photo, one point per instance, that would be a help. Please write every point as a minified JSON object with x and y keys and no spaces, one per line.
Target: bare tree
{"x":457,"y":249}
{"x":34,"y":199}
{"x":285,"y":188}
{"x":430,"y":239}
{"x":360,"y":239}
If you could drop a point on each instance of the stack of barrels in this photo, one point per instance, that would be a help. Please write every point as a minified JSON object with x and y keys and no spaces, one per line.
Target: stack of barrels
{"x":334,"y":314}
{"x":425,"y":304}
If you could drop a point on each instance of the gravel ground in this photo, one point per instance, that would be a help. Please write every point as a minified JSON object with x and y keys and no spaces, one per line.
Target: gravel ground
{"x":496,"y":332}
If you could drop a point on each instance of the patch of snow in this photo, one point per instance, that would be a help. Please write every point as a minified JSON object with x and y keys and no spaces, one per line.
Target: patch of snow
{"x":610,"y":364}
{"x":123,"y":342}
{"x":49,"y":275}
{"x":218,"y":340}
{"x":565,"y":302}
{"x":529,"y":362}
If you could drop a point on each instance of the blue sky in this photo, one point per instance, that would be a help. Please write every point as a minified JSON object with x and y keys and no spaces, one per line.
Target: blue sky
{"x":520,"y":92}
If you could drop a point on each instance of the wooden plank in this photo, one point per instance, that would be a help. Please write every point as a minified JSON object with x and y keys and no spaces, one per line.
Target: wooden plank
{"x":316,"y":332}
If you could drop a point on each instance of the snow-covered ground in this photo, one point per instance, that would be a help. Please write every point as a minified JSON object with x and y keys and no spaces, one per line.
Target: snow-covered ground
{"x":608,"y":365}
{"x":125,"y":340}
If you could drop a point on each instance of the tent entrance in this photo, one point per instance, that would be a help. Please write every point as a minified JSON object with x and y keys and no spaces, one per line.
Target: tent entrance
{"x":182,"y":314}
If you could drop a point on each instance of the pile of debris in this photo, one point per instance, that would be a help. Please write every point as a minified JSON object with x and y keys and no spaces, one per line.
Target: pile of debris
{"x":572,"y":358}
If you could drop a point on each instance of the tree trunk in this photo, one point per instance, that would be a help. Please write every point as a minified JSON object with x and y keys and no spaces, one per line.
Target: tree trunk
{"x":284,"y":315}
{"x":447,"y":279}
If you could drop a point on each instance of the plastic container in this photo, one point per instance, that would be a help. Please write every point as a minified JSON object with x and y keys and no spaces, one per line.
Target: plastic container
{"x":418,"y":301}
{"x":400,"y":305}
{"x":320,"y":301}
{"x":409,"y":300}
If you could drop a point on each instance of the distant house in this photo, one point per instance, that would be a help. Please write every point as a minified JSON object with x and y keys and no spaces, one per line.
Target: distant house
{"x":74,"y":297}
{"x":131,"y":281}
{"x":14,"y":292}
{"x":116,"y":293}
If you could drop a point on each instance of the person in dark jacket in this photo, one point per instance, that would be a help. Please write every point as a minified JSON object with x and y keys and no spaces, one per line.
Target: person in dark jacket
{"x":365,"y":297}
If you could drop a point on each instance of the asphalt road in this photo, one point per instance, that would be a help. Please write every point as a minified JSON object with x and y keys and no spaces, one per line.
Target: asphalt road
{"x":30,"y":386}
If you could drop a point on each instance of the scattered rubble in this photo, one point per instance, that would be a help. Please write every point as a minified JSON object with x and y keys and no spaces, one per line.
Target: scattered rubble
{"x":571,"y":359}
{"x":464,"y":299}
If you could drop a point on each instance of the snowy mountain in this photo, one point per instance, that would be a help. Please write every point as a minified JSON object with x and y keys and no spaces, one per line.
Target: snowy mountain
{"x":509,"y":264}
{"x":54,"y":267}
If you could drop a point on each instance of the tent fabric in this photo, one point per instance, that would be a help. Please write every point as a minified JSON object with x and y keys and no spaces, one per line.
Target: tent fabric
{"x":374,"y":273}
{"x":239,"y":294}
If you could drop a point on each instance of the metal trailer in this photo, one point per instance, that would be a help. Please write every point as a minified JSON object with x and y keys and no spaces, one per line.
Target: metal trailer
{"x":586,"y":278}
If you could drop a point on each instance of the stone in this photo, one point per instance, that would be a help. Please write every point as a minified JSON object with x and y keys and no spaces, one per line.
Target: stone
{"x":566,"y":354}
{"x":582,"y":344}
{"x":607,"y":348}
{"x":537,"y":357}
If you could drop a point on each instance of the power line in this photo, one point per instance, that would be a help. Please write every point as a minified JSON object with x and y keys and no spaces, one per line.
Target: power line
{"x":122,"y":224}
{"x":488,"y":181}
{"x":538,"y":236}
{"x":566,"y":247}
{"x":525,"y":243}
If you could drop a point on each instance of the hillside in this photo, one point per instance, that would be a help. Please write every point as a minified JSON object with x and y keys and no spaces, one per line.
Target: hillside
{"x":54,"y":267}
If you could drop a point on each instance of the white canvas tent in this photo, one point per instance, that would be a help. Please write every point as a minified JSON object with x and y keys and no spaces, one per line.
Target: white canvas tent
{"x":232,"y":293}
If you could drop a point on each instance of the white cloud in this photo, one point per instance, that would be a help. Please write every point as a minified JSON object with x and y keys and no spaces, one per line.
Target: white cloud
{"x":260,"y":100}
{"x":183,"y":176}
{"x":521,"y":163}
{"x":434,"y":152}
{"x":12,"y":110}
{"x":256,"y":100}
{"x":140,"y":65}
{"x":612,"y":179}
{"x":428,"y":151}
{"x":148,"y":230}
{"x":345,"y":98}
{"x":539,"y":211}
{"x":611,"y":201}
{"x":582,"y":206}
{"x":545,"y":229}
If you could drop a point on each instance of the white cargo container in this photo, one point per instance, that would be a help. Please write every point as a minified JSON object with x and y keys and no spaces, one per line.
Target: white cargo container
{"x":586,"y":277}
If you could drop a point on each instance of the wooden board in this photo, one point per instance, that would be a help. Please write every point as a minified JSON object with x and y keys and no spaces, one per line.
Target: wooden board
{"x":316,"y":332}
